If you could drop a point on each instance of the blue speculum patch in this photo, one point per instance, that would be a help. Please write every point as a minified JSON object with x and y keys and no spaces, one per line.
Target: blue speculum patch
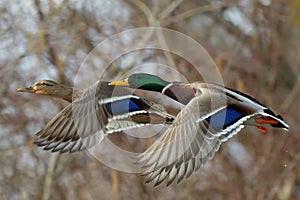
{"x":224,"y":118}
{"x":122,"y":107}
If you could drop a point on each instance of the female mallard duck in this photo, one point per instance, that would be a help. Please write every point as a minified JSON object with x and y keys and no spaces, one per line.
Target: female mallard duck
{"x":212,"y":115}
{"x":93,"y":113}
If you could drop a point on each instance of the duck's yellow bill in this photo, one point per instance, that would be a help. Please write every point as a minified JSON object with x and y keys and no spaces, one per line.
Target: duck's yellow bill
{"x":123,"y":82}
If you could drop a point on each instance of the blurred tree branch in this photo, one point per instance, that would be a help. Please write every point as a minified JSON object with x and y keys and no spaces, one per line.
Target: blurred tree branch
{"x":42,"y":39}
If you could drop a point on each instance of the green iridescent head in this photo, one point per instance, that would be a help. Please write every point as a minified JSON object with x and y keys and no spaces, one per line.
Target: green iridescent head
{"x":142,"y":81}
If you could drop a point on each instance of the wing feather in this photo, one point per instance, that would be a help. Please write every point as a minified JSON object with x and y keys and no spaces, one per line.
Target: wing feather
{"x":183,"y":148}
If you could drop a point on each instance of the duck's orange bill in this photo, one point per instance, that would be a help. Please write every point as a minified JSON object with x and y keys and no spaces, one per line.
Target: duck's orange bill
{"x":28,"y":89}
{"x":262,"y":129}
{"x":266,"y":120}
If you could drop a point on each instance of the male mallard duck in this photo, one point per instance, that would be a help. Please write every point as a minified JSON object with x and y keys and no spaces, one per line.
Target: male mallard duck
{"x":93,"y":113}
{"x":212,"y":115}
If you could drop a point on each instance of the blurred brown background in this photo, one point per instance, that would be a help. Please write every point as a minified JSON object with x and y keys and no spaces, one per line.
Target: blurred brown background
{"x":255,"y":44}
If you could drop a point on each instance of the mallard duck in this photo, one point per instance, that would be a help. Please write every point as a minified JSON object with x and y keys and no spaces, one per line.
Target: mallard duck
{"x":212,"y":115}
{"x":93,"y":113}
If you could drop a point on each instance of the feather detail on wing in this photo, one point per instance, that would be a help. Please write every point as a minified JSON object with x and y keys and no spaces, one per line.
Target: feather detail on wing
{"x":78,"y":126}
{"x":195,"y":135}
{"x":185,"y":146}
{"x":96,"y":113}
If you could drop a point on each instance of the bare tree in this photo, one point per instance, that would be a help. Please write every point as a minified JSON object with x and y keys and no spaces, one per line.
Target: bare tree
{"x":255,"y":45}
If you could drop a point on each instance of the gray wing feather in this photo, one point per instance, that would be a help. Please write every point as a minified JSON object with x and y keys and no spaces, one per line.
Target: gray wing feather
{"x":79,"y":125}
{"x":185,"y":146}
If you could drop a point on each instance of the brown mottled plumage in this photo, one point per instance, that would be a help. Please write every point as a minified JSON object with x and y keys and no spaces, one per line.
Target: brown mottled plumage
{"x":93,"y":113}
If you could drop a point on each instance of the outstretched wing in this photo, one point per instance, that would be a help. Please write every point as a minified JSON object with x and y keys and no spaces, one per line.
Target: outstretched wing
{"x":213,"y":116}
{"x":101,"y":110}
{"x":193,"y":138}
